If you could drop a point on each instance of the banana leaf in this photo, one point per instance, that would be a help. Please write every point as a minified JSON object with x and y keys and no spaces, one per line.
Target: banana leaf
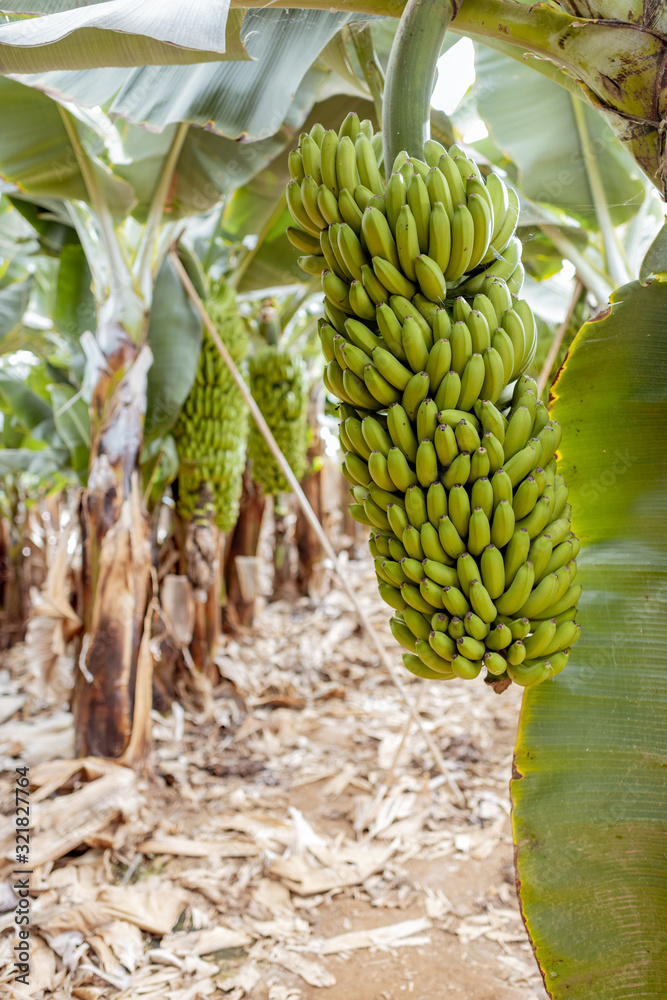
{"x":40,"y":159}
{"x":125,"y":33}
{"x":589,"y":802}
{"x":548,"y":143}
{"x":174,"y":336}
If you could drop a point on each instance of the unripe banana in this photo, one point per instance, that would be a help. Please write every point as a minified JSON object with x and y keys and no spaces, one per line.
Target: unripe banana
{"x":502,"y":526}
{"x":399,"y":470}
{"x":379,"y":389}
{"x":420,"y":205}
{"x":414,"y":345}
{"x":436,"y":504}
{"x":449,"y":390}
{"x":398,"y":521}
{"x":404,"y":308}
{"x":298,"y":210}
{"x":303,"y":241}
{"x":539,"y":642}
{"x":462,"y":466}
{"x":402,"y":634}
{"x":309,"y":192}
{"x":378,"y":236}
{"x":377,"y":467}
{"x":516,"y":653}
{"x":432,"y":546}
{"x":430,"y":278}
{"x":482,"y":218}
{"x":493,"y":571}
{"x":407,"y":240}
{"x":367,"y":165}
{"x":475,"y":627}
{"x":411,"y":539}
{"x":417,"y":623}
{"x":481,"y":602}
{"x":432,"y":660}
{"x":519,"y":627}
{"x":401,"y":432}
{"x":526,"y":497}
{"x":497,"y":191}
{"x":453,"y":178}
{"x":518,"y":592}
{"x":472,"y":380}
{"x":445,"y":444}
{"x":360,"y":301}
{"x":295,"y":164}
{"x":463,"y":233}
{"x":413,"y":570}
{"x":458,"y":472}
{"x":376,"y":291}
{"x":392,"y":278}
{"x":350,"y":211}
{"x":456,"y":627}
{"x":413,"y":597}
{"x":427,"y":419}
{"x":347,"y":175}
{"x":336,"y":291}
{"x":416,"y":390}
{"x":442,"y":325}
{"x":426,"y":463}
{"x":481,"y":495}
{"x":467,"y":570}
{"x":358,"y":392}
{"x":494,"y":375}
{"x":390,"y":328}
{"x":503,"y":345}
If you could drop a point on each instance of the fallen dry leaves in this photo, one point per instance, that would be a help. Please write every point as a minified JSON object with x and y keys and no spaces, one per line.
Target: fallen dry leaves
{"x":294,"y":824}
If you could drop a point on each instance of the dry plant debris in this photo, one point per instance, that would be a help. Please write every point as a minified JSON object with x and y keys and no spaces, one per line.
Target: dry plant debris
{"x":294,"y":840}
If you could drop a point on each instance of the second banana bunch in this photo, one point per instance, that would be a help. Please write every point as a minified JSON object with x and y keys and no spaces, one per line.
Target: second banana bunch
{"x":448,"y":450}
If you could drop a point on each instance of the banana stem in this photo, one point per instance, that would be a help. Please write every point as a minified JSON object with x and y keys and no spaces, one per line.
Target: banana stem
{"x":144,"y":260}
{"x":249,"y":256}
{"x":616,"y":266}
{"x":413,"y":60}
{"x":590,"y":278}
{"x":558,"y":340}
{"x":312,"y":518}
{"x":362,"y":39}
{"x":119,"y":272}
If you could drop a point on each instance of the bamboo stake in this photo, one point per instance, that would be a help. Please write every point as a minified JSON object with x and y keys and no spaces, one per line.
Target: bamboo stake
{"x":558,"y":340}
{"x":310,"y":515}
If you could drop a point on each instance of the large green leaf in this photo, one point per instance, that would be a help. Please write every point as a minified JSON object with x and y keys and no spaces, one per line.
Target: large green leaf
{"x":589,"y":788}
{"x":122,"y":33}
{"x":74,"y":309}
{"x":174,"y":336}
{"x":240,"y":100}
{"x":13,"y":303}
{"x":27,"y":406}
{"x":72,"y":420}
{"x":44,"y":464}
{"x":542,"y":137}
{"x":39,"y":158}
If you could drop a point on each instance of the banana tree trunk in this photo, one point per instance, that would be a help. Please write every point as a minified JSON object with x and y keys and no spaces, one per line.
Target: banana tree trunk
{"x":13,"y":596}
{"x":117,"y":552}
{"x":307,"y":543}
{"x":243,"y":541}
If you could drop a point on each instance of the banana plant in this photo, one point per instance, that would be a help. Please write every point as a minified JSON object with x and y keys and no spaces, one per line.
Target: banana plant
{"x":124,"y":219}
{"x":610,"y":54}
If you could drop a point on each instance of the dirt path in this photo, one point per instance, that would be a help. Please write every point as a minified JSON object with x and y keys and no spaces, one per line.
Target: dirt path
{"x":299,"y":821}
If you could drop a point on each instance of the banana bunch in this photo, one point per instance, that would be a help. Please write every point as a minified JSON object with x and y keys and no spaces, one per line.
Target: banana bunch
{"x":212,"y":428}
{"x":278,"y":386}
{"x":448,"y":450}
